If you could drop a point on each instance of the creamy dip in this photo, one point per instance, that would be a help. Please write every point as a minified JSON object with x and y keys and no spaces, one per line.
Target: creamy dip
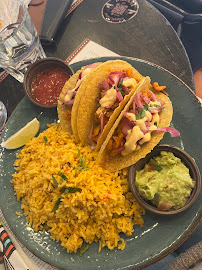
{"x":165,"y":181}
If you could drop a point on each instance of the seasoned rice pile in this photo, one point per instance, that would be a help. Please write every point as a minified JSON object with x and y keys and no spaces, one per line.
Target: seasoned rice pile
{"x":64,"y":192}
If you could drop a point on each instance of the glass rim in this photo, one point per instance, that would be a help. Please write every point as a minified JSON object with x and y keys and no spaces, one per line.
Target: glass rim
{"x":3,"y":115}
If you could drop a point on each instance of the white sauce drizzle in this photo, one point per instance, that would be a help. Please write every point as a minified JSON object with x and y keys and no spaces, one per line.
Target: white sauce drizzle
{"x":70,"y":93}
{"x":135,"y":136}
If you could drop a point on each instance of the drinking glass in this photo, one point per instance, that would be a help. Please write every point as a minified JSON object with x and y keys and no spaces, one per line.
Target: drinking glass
{"x":3,"y":116}
{"x":19,"y":42}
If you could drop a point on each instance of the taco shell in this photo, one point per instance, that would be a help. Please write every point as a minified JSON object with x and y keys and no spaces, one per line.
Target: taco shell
{"x":62,"y":108}
{"x":105,"y":160}
{"x":88,"y":106}
{"x":67,"y":122}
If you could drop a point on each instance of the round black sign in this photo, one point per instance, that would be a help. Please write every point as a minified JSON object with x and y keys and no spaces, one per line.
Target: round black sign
{"x":118,"y":11}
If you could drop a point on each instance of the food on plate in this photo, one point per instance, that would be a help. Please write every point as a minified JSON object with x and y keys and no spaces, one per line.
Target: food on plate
{"x":165,"y":181}
{"x":138,"y":129}
{"x":66,"y":193}
{"x":75,"y":193}
{"x":48,"y":84}
{"x":107,"y":90}
{"x":22,"y":136}
{"x":67,"y":103}
{"x":116,"y":111}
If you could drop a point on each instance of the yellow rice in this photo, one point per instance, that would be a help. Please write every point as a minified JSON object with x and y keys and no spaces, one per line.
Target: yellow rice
{"x":104,"y":207}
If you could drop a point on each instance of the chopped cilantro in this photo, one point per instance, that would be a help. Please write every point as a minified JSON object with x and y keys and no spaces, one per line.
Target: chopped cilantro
{"x":64,"y":177}
{"x":62,"y":190}
{"x":121,"y":91}
{"x":66,"y":190}
{"x":121,"y":82}
{"x":72,"y":190}
{"x":54,"y":180}
{"x":80,"y":168}
{"x":146,"y":107}
{"x":83,"y":250}
{"x":141,"y":114}
{"x":55,"y":208}
{"x":158,"y":106}
{"x":157,"y":168}
{"x":45,"y":139}
{"x":120,"y":88}
{"x":82,"y":161}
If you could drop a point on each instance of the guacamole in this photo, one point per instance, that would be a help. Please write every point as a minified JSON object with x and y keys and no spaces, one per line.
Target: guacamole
{"x":165,"y":181}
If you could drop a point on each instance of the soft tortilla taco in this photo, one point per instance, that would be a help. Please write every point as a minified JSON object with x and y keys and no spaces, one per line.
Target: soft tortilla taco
{"x":107,"y":90}
{"x":138,"y":129}
{"x":66,"y":100}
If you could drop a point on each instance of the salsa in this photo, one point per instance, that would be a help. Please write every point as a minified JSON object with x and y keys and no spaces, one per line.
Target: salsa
{"x":165,"y":181}
{"x":47,"y":85}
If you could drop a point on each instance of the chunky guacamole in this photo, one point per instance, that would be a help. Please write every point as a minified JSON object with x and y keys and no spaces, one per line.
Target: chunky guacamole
{"x":166,"y":181}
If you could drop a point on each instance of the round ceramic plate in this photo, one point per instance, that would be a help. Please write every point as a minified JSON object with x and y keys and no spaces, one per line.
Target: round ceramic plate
{"x":159,"y":235}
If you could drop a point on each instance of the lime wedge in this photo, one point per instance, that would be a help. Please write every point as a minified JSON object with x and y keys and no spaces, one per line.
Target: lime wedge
{"x":22,"y":136}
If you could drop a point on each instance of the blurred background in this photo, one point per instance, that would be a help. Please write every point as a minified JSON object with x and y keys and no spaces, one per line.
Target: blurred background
{"x":186,"y":18}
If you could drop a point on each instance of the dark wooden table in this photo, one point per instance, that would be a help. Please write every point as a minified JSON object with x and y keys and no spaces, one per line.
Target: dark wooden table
{"x":147,"y":36}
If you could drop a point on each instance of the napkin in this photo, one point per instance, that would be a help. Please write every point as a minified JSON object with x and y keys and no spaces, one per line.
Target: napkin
{"x":191,"y":259}
{"x":8,"y":253}
{"x":11,"y":254}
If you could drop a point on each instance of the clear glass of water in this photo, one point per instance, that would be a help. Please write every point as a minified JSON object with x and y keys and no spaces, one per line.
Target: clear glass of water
{"x":19,"y":42}
{"x":3,"y":116}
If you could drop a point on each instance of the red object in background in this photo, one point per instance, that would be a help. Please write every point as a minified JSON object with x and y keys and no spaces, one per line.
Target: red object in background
{"x":47,"y":85}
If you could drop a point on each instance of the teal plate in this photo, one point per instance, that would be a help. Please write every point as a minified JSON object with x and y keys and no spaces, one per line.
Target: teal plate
{"x":159,"y":235}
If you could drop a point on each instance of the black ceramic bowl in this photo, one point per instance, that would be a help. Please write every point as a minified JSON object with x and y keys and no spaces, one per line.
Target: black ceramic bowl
{"x":41,"y":66}
{"x":188,"y":162}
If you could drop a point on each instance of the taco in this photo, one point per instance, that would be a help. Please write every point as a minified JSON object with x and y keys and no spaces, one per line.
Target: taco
{"x":67,"y":98}
{"x":107,"y":90}
{"x":138,"y":129}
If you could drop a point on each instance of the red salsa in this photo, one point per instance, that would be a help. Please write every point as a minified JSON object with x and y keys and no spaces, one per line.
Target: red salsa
{"x":47,"y":85}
